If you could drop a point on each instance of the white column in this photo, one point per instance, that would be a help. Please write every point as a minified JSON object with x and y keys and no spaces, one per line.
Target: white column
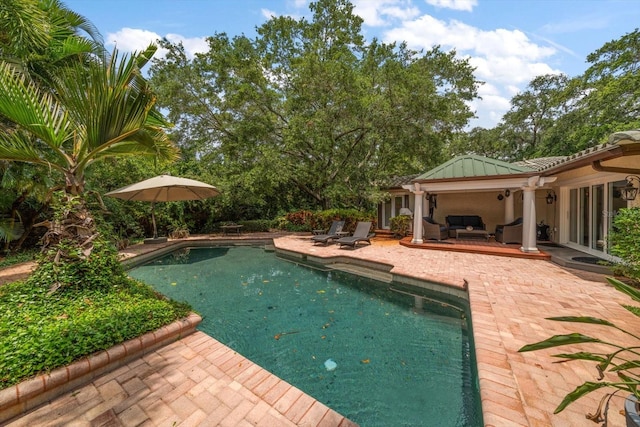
{"x":508,"y":208}
{"x":529,"y":220}
{"x":417,"y":215}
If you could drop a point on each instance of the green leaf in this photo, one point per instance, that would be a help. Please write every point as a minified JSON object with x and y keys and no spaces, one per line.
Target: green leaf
{"x":582,"y":319}
{"x":583,"y":355}
{"x":580,"y":391}
{"x":634,"y":293}
{"x":627,"y":365}
{"x":559,"y":340}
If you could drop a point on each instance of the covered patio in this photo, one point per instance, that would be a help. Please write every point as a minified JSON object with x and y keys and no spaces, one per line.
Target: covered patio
{"x":570,"y":201}
{"x":488,"y":188}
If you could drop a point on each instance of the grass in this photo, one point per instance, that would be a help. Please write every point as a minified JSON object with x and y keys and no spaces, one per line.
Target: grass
{"x":40,"y":331}
{"x":17,"y":258}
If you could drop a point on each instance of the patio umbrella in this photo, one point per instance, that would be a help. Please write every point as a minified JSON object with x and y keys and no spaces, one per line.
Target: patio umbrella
{"x":164,"y":188}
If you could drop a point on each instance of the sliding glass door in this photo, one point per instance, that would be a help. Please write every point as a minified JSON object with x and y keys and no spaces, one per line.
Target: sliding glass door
{"x":591,"y":213}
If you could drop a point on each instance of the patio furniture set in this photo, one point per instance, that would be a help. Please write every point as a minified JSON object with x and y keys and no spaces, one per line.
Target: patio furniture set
{"x":463,"y":227}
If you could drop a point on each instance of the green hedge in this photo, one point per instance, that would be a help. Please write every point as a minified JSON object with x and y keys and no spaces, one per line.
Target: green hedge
{"x":308,"y":221}
{"x":624,"y":240}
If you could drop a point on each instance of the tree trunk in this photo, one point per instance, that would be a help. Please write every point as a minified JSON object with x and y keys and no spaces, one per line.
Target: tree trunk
{"x":74,"y":226}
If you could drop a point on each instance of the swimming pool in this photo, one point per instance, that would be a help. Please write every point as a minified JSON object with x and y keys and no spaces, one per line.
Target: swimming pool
{"x":369,"y":350}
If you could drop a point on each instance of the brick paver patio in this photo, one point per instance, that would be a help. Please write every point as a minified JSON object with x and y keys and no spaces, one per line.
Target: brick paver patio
{"x":198,"y":381}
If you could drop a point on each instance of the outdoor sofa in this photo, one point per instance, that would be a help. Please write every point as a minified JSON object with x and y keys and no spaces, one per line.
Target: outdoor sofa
{"x":461,"y":222}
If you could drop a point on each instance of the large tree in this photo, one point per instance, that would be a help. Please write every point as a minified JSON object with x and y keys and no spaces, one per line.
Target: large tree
{"x":93,"y":111}
{"x":310,"y":113}
{"x":558,"y":115}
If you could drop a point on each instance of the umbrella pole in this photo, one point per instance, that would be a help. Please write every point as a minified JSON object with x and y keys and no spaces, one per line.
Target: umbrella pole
{"x":153,"y":220}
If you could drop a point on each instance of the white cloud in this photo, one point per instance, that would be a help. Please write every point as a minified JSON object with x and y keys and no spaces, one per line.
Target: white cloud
{"x":191,"y":45}
{"x":506,"y":60}
{"x":465,"y":5}
{"x":300,"y":4}
{"x":268,"y":14}
{"x":379,"y":13}
{"x":136,"y":40}
{"x":131,"y":39}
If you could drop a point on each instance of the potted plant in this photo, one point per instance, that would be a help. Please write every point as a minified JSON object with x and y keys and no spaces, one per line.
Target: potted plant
{"x":623,"y":360}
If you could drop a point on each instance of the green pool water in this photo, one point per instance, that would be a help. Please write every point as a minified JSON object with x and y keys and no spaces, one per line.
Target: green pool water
{"x":378,"y":356}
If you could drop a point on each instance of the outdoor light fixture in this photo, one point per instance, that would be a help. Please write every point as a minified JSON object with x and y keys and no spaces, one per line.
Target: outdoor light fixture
{"x":551,"y":197}
{"x":507,"y":192}
{"x":629,"y":192}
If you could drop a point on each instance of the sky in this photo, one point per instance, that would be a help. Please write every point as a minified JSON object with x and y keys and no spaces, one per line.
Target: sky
{"x":509,"y":42}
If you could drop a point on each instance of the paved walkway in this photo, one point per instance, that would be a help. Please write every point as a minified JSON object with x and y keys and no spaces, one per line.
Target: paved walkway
{"x":198,"y":381}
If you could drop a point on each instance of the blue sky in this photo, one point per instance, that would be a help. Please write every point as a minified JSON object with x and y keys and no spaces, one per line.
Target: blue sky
{"x":508,"y":41}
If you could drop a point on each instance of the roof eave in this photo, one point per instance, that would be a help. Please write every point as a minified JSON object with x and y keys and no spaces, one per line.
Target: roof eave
{"x":587,"y":160}
{"x":477,"y":178}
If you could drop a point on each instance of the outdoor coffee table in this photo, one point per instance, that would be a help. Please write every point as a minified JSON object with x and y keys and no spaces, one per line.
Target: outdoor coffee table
{"x":472,"y":234}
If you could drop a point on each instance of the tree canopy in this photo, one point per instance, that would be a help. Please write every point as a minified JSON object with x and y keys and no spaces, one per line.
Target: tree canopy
{"x":308,"y":111}
{"x":560,"y":115}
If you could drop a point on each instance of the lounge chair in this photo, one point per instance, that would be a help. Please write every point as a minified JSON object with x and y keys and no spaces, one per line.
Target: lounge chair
{"x":336,"y":227}
{"x":434,"y":231}
{"x":509,"y":233}
{"x":360,"y":235}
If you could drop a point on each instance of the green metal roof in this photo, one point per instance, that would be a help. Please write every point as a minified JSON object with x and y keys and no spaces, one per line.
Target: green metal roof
{"x":472,"y":166}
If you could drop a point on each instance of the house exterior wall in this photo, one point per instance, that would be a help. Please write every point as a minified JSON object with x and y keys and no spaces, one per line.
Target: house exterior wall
{"x":594,"y":222}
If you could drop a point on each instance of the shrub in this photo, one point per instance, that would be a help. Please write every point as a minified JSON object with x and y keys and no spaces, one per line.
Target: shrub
{"x":322,"y":220}
{"x":400,"y":225}
{"x":99,"y":270}
{"x":295,"y":221}
{"x":624,"y":240}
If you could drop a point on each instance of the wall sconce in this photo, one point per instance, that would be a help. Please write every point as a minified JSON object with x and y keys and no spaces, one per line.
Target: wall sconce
{"x":551,"y":197}
{"x":507,"y":192}
{"x":629,"y":192}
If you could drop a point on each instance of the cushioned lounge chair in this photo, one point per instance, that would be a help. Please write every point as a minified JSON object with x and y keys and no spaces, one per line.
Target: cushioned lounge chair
{"x":360,"y":235}
{"x":431,"y":230}
{"x":336,"y":227}
{"x":509,"y":233}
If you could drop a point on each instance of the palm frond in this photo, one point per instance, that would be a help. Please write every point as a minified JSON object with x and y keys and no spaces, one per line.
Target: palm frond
{"x":18,"y":146}
{"x":23,"y":103}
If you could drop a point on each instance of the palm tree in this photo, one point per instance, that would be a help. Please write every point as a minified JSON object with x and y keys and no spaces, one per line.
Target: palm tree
{"x":95,"y":110}
{"x":38,"y":37}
